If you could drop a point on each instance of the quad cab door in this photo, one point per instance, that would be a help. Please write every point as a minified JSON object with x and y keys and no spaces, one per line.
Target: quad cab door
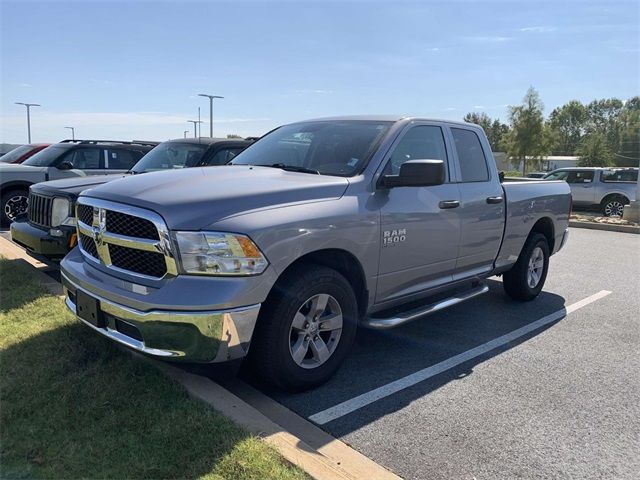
{"x":420,"y":226}
{"x":482,"y":204}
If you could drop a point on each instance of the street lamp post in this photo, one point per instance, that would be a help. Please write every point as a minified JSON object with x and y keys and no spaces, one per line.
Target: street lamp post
{"x":73,"y":132}
{"x":210,"y":97}
{"x":195,"y":127}
{"x":185,"y":133}
{"x":28,"y":105}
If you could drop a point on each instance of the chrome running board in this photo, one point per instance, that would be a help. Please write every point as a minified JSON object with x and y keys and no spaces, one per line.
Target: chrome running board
{"x":379,"y":323}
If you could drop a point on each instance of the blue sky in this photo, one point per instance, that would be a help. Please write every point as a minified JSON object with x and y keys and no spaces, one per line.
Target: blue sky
{"x":133,"y":69}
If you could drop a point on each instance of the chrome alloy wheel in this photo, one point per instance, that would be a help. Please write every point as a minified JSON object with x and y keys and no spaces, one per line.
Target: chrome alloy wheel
{"x":15,"y":206}
{"x":614,"y":208}
{"x":536,"y":266}
{"x":315,"y":331}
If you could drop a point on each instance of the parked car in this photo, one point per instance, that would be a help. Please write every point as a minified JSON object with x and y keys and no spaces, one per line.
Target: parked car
{"x":49,"y":227}
{"x":70,"y":158}
{"x":21,"y":153}
{"x":535,"y":174}
{"x":317,"y":228}
{"x":609,"y":189}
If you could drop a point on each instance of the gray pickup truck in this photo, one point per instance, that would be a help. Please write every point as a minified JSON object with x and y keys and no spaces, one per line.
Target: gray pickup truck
{"x":318,"y":228}
{"x":610,"y":189}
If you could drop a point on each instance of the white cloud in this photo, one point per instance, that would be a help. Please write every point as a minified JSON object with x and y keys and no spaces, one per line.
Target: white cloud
{"x":488,"y":39}
{"x":478,"y":107}
{"x":433,"y":49}
{"x":26,"y":85}
{"x":538,"y":29}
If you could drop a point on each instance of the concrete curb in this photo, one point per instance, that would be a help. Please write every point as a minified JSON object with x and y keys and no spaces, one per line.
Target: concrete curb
{"x":605,"y":226}
{"x":298,"y":441}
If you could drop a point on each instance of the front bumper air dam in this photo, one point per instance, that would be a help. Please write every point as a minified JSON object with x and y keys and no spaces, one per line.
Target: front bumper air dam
{"x":189,"y":336}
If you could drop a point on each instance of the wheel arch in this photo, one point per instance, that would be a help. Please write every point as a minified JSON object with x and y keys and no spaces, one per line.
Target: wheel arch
{"x":344,"y":263}
{"x":15,"y":185}
{"x":545,"y":226}
{"x":611,"y":195}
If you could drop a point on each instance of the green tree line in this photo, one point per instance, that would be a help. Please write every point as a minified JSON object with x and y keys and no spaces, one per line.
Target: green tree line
{"x":601,"y":133}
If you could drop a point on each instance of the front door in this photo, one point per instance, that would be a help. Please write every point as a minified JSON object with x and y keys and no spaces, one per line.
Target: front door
{"x":419,"y":243}
{"x":582,"y":186}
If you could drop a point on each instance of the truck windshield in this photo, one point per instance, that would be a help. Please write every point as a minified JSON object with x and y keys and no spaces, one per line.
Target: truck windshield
{"x":46,"y":157}
{"x":169,"y":155}
{"x":340,"y":148}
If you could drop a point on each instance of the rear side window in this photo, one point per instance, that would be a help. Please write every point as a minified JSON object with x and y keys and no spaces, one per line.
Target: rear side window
{"x":224,"y":156}
{"x":121,"y":159}
{"x":473,"y":164}
{"x":620,"y":175}
{"x":423,"y":142}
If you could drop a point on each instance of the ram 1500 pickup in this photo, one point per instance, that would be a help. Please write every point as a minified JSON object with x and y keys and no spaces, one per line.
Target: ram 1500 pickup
{"x":317,"y":229}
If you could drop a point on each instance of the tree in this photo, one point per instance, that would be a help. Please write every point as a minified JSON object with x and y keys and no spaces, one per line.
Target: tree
{"x":594,"y":151}
{"x":628,"y":151}
{"x":494,"y":129}
{"x":568,"y":124}
{"x":602,"y":117}
{"x":529,"y":138}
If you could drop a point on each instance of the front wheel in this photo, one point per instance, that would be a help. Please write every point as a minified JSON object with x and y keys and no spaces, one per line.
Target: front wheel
{"x":305,"y":330}
{"x":527,"y":276}
{"x":14,"y":203}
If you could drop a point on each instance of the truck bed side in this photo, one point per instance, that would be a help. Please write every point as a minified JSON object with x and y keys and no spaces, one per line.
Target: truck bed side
{"x":543,"y":204}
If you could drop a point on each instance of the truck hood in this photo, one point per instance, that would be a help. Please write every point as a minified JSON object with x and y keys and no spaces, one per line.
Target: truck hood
{"x":194,"y":198}
{"x":71,"y":187}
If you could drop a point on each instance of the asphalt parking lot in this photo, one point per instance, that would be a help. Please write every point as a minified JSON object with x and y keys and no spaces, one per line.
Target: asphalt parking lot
{"x":558,"y":399}
{"x":498,"y":389}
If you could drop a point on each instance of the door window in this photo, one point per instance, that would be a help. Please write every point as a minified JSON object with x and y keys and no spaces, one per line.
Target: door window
{"x":84,"y":158}
{"x":423,"y":142}
{"x":560,"y":175}
{"x":121,"y":159}
{"x":473,"y":164}
{"x":577,"y":176}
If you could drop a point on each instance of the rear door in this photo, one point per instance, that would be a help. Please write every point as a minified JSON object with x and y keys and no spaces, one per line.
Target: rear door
{"x":419,"y":243}
{"x":582,"y":186}
{"x":482,"y":204}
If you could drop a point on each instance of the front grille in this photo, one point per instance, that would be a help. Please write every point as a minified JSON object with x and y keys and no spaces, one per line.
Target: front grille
{"x":88,"y":245}
{"x":131,"y":239}
{"x":85,"y":214}
{"x":131,"y":226}
{"x":138,"y":261}
{"x":39,"y":210}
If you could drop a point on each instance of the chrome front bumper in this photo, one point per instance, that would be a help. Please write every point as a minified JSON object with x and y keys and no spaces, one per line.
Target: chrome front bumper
{"x":190,"y":336}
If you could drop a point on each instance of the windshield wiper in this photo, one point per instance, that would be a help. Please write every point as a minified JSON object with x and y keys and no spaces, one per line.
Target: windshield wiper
{"x":291,"y":168}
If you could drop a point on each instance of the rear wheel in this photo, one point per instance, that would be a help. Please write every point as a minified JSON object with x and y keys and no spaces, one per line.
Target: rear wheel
{"x":526,"y":278}
{"x":305,"y":330}
{"x":14,"y":203}
{"x":614,"y":205}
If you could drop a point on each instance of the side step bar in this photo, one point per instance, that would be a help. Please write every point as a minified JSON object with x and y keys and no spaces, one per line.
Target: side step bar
{"x":404,"y":317}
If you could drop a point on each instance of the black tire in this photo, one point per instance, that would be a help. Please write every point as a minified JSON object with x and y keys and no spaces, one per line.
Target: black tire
{"x":5,"y":219}
{"x":270,"y":356}
{"x":516,"y":281}
{"x":613,"y":205}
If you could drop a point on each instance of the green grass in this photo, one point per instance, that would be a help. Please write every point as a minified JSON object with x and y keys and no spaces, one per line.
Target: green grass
{"x":73,"y":405}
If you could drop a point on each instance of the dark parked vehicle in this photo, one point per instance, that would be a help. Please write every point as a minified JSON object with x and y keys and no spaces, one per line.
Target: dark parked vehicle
{"x":21,"y":153}
{"x":69,"y":158}
{"x":49,"y":228}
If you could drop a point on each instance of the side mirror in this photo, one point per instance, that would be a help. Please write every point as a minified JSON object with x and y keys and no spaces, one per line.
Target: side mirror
{"x":66,"y":165}
{"x":416,"y":173}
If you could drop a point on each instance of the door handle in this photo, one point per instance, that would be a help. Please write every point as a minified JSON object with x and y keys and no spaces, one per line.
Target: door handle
{"x":449,"y":204}
{"x":496,"y":199}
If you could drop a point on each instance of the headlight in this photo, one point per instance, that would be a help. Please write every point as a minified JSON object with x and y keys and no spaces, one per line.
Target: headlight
{"x":61,"y":212}
{"x":219,"y":253}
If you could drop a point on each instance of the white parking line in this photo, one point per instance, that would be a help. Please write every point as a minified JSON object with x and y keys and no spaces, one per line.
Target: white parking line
{"x":365,"y":399}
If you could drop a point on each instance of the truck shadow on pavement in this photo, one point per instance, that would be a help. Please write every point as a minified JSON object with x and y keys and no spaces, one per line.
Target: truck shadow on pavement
{"x":383,"y":356}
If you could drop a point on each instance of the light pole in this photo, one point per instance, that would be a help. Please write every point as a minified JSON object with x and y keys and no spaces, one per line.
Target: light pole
{"x":195,"y":127}
{"x":185,"y":133}
{"x":28,"y":105}
{"x":73,"y":132}
{"x":210,"y":97}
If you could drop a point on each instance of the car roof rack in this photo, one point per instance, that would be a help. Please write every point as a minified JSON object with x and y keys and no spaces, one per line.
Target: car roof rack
{"x":122,"y":142}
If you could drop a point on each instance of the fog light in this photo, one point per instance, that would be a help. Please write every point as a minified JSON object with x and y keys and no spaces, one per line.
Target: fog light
{"x":56,"y":232}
